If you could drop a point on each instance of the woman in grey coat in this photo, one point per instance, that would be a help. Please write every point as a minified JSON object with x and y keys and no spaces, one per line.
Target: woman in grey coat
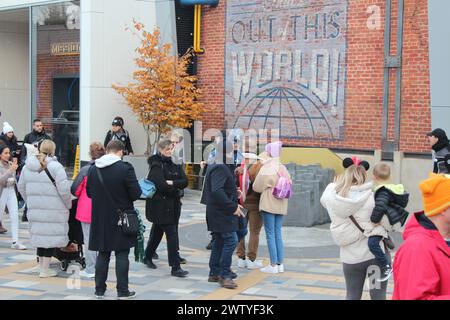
{"x":48,"y":204}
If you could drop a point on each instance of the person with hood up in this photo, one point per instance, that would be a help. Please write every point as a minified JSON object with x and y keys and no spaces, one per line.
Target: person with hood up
{"x":422,"y":263}
{"x":112,"y":186}
{"x":45,"y":187}
{"x":441,"y":150}
{"x":349,"y":201}
{"x":220,"y":196}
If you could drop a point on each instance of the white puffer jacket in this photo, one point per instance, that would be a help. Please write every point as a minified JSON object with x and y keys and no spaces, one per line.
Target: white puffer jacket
{"x":360,"y":203}
{"x":48,"y":214}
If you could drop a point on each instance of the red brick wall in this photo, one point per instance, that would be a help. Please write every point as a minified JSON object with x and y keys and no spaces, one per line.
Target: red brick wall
{"x":364,"y":82}
{"x":48,"y":66}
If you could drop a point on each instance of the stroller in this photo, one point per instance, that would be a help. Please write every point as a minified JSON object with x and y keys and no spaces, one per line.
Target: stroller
{"x":73,"y":252}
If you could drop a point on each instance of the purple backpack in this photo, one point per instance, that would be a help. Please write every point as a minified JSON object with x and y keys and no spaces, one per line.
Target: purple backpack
{"x":283,"y":188}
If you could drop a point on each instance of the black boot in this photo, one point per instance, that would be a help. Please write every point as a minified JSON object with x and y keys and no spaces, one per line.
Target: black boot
{"x":155,"y":256}
{"x":149,"y":263}
{"x":178,"y":272}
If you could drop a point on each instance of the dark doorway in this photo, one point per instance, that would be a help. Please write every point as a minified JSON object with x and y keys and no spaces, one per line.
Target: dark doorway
{"x":66,"y":116}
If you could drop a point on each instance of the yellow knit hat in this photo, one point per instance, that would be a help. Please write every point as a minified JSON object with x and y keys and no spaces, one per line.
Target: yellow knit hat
{"x":435,"y":194}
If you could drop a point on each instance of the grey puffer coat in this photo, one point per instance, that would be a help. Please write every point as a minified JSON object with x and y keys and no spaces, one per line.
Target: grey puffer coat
{"x":48,"y":211}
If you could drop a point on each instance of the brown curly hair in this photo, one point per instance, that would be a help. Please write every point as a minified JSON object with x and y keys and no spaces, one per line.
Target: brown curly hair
{"x":96,"y":150}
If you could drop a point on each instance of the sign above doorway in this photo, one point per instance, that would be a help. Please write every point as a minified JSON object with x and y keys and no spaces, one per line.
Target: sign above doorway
{"x":65,"y":49}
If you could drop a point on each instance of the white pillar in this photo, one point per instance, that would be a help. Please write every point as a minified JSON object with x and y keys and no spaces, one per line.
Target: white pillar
{"x":107,"y":58}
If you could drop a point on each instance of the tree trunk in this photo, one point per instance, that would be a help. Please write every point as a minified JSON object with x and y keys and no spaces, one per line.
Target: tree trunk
{"x":149,"y":142}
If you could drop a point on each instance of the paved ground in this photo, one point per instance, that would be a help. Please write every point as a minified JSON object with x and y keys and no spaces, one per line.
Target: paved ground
{"x":313,"y":270}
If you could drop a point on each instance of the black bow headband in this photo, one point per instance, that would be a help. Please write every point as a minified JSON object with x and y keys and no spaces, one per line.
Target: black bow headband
{"x":347,"y":162}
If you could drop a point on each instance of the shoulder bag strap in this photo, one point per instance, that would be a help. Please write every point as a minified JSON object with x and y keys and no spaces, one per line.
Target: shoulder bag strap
{"x":356,"y":223}
{"x":54,"y":184}
{"x":100,"y":177}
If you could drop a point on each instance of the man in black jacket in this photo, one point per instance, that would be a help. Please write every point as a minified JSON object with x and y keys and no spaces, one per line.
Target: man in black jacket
{"x":112,"y":185}
{"x":222,"y":214}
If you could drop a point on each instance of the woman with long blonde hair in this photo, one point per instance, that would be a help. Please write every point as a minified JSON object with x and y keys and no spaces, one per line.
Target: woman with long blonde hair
{"x":349,"y":201}
{"x":45,"y":187}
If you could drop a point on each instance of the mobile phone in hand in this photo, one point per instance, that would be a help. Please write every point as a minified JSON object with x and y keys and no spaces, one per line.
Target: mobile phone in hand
{"x":244,"y":211}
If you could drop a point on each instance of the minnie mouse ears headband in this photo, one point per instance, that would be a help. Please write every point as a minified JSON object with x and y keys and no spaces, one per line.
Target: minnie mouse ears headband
{"x":347,"y":162}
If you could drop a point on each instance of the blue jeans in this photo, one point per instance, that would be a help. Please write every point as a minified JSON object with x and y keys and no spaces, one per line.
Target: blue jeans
{"x":223,"y":245}
{"x":243,"y":228}
{"x":272,"y":226}
{"x":375,"y":248}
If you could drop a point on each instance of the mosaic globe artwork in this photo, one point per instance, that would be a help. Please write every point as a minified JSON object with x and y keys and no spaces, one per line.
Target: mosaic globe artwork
{"x":288,"y":110}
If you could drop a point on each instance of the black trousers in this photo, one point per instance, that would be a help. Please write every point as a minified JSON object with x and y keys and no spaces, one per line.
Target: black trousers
{"x":171,"y":231}
{"x":152,"y":230}
{"x":122,"y":268}
{"x":44,"y":252}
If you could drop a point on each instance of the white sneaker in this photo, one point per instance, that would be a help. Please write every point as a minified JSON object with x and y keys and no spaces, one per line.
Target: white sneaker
{"x":280,"y":268}
{"x":241,"y":263}
{"x":84,"y":274}
{"x":48,"y":274}
{"x":254,"y":264}
{"x":269,"y":269}
{"x":18,"y":246}
{"x":36,"y":269}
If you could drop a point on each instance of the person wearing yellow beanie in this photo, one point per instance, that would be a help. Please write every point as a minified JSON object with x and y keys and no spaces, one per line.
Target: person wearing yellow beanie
{"x":422,"y":264}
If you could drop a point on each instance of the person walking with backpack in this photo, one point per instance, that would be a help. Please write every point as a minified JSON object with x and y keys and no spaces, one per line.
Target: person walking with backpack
{"x":113,"y":188}
{"x":84,"y":207}
{"x":273,"y":206}
{"x":349,"y":201}
{"x":45,"y":187}
{"x":118,"y":133}
{"x":441,"y":150}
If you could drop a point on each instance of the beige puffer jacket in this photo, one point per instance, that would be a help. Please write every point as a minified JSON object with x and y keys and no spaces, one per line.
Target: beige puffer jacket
{"x":359,"y":203}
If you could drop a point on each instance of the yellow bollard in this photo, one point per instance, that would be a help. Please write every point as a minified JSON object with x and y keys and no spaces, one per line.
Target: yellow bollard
{"x":189,"y":172}
{"x":76,"y":167}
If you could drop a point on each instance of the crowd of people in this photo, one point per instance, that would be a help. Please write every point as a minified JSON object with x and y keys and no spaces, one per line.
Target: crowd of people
{"x":243,"y":192}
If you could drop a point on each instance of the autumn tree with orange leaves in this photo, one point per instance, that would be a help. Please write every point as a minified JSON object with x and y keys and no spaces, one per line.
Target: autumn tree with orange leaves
{"x":164,"y":96}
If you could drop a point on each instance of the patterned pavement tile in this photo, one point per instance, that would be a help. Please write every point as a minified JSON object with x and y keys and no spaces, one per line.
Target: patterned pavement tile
{"x":313,"y":269}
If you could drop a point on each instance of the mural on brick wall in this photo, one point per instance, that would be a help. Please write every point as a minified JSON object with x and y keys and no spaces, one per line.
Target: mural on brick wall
{"x":285,"y":66}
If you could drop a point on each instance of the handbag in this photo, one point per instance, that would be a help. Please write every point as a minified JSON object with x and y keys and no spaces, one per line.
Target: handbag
{"x":128,"y":219}
{"x":148,"y":188}
{"x":388,"y":243}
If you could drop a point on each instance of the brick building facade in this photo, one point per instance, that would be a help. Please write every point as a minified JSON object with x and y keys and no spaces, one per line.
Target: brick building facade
{"x":361,"y":123}
{"x":50,"y":66}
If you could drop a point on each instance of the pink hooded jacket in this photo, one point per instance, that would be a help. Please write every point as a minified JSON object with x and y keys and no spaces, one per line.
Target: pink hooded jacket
{"x":84,"y":207}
